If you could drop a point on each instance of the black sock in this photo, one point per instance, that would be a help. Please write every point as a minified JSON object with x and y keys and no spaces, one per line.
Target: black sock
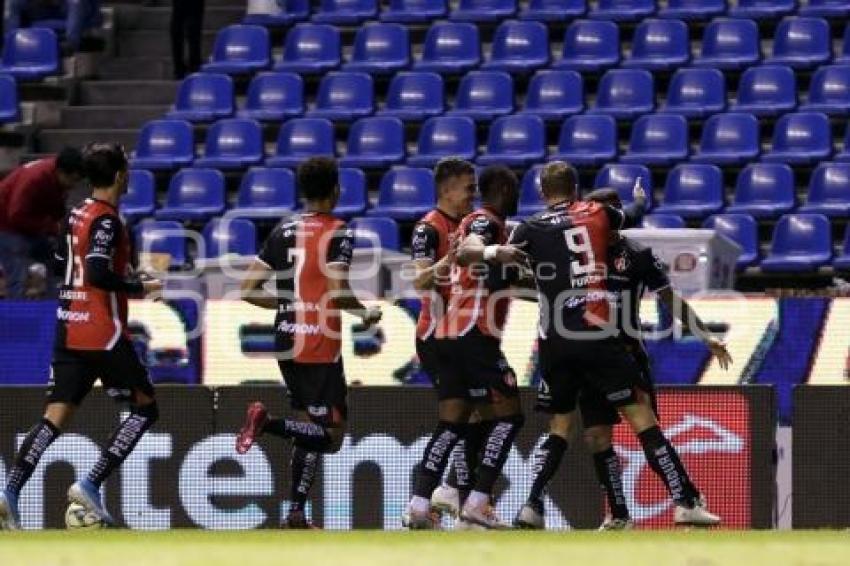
{"x":610,"y":476}
{"x":35,"y":444}
{"x":462,"y":475}
{"x":547,"y":458}
{"x":458,"y":476}
{"x":436,"y":457}
{"x":309,"y":435}
{"x":496,"y":450}
{"x":124,"y":438}
{"x":303,"y":469}
{"x":664,"y":461}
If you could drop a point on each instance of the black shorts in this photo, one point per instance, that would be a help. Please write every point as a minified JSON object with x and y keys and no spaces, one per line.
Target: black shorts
{"x":571,"y":366}
{"x":74,"y":372}
{"x":317,"y":389}
{"x":474,"y":368}
{"x":426,"y":351}
{"x":596,"y":410}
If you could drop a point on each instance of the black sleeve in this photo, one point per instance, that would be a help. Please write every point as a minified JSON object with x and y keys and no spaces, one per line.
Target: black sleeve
{"x":484,"y":227}
{"x":341,"y":246}
{"x":60,"y":252}
{"x":424,"y":242}
{"x":629,"y":217}
{"x":104,"y":237}
{"x":654,"y":275}
{"x":273,"y":253}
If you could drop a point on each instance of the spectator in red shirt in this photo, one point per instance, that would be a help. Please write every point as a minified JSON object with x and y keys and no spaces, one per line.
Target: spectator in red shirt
{"x":33,"y":204}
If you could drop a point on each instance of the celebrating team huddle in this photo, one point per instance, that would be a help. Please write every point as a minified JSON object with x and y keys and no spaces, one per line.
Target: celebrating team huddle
{"x":570,"y":258}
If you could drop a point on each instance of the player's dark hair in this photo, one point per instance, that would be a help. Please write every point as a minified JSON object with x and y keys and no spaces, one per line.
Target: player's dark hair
{"x":605,"y":196}
{"x":449,"y":167}
{"x":102,"y":162}
{"x":317,"y":178}
{"x":493,"y":181}
{"x":70,"y":161}
{"x":559,"y":179}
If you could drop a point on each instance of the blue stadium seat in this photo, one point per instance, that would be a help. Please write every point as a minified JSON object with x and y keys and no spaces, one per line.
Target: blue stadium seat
{"x":414,"y":11}
{"x":515,"y":141}
{"x":662,"y":221}
{"x":266,"y":193}
{"x":741,"y":229}
{"x":693,"y":190}
{"x":444,"y":136}
{"x":802,"y":43}
{"x":414,"y":96}
{"x":590,"y":46}
{"x":310,"y":49}
{"x":450,"y":47}
{"x":164,"y":144}
{"x":767,"y":90}
{"x":762,"y":9}
{"x":483,"y":10}
{"x":842,"y":262}
{"x":696,"y":93}
{"x":292,"y":11}
{"x":829,"y":191}
{"x":826,"y":8}
{"x":344,"y":96}
{"x":274,"y":97}
{"x":622,"y":176}
{"x":554,"y":95}
{"x":375,"y":142}
{"x":730,"y":138}
{"x":520,"y":47}
{"x":353,"y":196}
{"x":764,"y":190}
{"x":530,"y":199}
{"x":204,"y":97}
{"x":693,"y":9}
{"x":233,"y":143}
{"x":380,"y":49}
{"x":405,"y":193}
{"x":553,"y":10}
{"x":193,"y":194}
{"x":659,"y":45}
{"x":345,"y":12}
{"x":9,"y":107}
{"x":801,"y":138}
{"x":658,"y":139}
{"x":162,"y":237}
{"x":140,"y":199}
{"x":625,"y":93}
{"x":729,"y":44}
{"x":829,"y":90}
{"x":229,"y":236}
{"x":623,"y":10}
{"x":371,"y":231}
{"x":301,"y":138}
{"x":587,"y":140}
{"x":484,"y":95}
{"x":30,"y":53}
{"x":240,"y":49}
{"x":801,"y":243}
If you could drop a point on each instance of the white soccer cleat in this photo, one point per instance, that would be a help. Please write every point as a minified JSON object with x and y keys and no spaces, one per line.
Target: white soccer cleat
{"x":529,"y":518}
{"x":612,"y":524}
{"x":420,"y":521}
{"x":446,"y":499}
{"x":461,"y":525}
{"x":9,"y":519}
{"x":697,"y":516}
{"x":86,"y":494}
{"x":484,"y":516}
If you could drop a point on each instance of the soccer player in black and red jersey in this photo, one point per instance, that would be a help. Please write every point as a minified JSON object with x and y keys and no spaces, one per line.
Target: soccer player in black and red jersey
{"x":579,"y":347}
{"x":309,"y":257}
{"x":92,"y":341}
{"x":472,"y":370}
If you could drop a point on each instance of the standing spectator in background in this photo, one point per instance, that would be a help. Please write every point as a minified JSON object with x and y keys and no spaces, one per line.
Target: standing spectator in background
{"x":187,"y":18}
{"x":33,"y":197}
{"x":79,"y":15}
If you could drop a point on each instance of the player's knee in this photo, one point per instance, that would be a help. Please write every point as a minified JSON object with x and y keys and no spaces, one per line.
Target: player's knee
{"x":149,"y":411}
{"x":597,"y":438}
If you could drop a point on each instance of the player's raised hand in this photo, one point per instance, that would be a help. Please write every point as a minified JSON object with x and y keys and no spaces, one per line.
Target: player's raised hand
{"x":509,"y":253}
{"x":152,"y":286}
{"x":638,"y":192}
{"x":372,"y":316}
{"x":719,"y":351}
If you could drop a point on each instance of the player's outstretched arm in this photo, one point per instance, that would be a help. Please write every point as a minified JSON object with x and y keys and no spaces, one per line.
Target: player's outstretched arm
{"x":344,"y":297}
{"x":634,"y":212}
{"x":104,"y":235}
{"x":473,"y":250}
{"x":429,"y":272}
{"x":252,"y":286}
{"x":691,"y":321}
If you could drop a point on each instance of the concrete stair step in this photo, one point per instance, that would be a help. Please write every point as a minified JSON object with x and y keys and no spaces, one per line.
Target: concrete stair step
{"x":110,"y":117}
{"x":130,"y":17}
{"x":52,"y":141}
{"x":127,"y":93}
{"x":136,"y":68}
{"x":150,"y":43}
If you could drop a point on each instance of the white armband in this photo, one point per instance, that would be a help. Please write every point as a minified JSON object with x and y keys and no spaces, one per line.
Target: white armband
{"x":490,"y":252}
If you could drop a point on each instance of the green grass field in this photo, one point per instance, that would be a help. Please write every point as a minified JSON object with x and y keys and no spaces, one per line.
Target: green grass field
{"x":376,"y":548}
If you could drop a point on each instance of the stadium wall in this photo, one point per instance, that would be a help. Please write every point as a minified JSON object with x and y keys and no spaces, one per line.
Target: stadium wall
{"x":185,"y":472}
